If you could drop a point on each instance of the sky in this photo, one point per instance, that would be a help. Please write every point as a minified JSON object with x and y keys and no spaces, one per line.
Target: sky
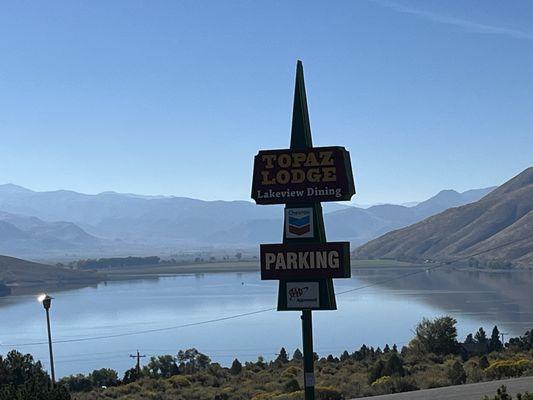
{"x":176,"y":97}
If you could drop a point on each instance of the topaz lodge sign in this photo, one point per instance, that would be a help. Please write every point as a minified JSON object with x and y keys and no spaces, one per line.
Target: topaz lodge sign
{"x":310,"y":260}
{"x":303,"y":176}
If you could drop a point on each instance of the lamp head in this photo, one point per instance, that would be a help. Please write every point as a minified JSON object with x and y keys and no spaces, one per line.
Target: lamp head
{"x":46,"y":300}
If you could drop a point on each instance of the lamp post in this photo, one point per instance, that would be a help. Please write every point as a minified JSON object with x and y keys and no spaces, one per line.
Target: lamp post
{"x":47,"y":302}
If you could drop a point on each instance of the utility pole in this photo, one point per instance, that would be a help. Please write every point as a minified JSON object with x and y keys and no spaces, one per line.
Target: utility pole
{"x":503,"y":340}
{"x":138,"y":364}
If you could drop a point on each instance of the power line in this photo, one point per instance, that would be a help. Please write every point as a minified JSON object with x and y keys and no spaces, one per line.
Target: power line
{"x":209,"y":321}
{"x":230,"y":317}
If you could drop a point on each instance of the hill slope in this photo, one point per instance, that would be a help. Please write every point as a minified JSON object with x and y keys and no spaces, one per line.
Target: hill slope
{"x":497,"y":227}
{"x":19,"y":273}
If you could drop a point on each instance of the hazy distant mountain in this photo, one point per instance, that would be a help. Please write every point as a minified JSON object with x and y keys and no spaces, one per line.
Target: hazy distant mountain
{"x":148,"y":224}
{"x":153,"y":221}
{"x":355,"y":224}
{"x":497,"y":227}
{"x":21,"y":234}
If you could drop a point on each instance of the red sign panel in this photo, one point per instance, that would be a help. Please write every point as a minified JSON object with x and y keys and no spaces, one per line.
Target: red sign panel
{"x":302,"y":176}
{"x":305,"y":260}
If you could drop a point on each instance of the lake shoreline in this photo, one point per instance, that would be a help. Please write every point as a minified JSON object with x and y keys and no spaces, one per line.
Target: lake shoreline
{"x":156,"y":271}
{"x":245,"y":266}
{"x":139,"y":272}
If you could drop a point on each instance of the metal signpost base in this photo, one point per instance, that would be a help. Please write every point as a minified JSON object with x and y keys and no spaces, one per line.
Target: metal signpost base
{"x":309,"y":368}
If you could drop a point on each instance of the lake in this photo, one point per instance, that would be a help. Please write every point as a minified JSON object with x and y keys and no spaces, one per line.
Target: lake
{"x":152,"y":315}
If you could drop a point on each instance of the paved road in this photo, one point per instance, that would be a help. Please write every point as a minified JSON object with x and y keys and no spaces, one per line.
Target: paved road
{"x":472,"y":391}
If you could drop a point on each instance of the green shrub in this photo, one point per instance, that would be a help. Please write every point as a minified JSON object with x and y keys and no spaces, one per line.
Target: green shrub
{"x":384,"y":380}
{"x":291,"y":385}
{"x":179,"y":381}
{"x":290,"y":372}
{"x":508,"y":368}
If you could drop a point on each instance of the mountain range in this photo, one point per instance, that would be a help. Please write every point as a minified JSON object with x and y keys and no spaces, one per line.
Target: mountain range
{"x":498,"y":227}
{"x":42,"y":225}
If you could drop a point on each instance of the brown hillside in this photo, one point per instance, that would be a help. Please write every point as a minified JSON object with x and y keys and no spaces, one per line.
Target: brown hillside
{"x":17,"y":272}
{"x":497,"y":227}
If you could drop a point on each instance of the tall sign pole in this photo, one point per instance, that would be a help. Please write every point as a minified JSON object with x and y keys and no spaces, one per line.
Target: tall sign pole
{"x":301,"y":177}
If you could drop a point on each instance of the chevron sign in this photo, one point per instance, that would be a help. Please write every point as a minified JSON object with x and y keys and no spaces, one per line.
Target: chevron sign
{"x":299,"y":223}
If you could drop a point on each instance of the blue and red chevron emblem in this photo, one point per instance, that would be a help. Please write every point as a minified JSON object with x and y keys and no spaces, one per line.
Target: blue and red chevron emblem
{"x":300,"y":225}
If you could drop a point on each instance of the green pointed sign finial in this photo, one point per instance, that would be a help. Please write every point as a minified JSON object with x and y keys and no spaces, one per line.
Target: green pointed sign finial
{"x":301,"y":129}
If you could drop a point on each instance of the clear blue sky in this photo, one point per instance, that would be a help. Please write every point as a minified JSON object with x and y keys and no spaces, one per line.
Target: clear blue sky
{"x":176,"y":97}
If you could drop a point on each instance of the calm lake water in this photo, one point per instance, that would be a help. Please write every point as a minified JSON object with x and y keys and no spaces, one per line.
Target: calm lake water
{"x":159,"y":307}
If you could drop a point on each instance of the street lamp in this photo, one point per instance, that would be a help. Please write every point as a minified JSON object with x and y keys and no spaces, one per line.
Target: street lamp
{"x":47,"y":302}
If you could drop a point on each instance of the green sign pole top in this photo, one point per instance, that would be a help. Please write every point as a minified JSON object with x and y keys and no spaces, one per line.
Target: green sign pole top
{"x":300,"y":140}
{"x":301,"y":129}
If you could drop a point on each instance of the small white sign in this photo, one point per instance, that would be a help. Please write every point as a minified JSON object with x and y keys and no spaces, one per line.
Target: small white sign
{"x":302,"y":295}
{"x":309,"y":378}
{"x":299,"y":223}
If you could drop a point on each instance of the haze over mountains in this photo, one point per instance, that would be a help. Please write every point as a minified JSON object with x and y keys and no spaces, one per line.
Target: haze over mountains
{"x":497,"y":227}
{"x":70,"y":224}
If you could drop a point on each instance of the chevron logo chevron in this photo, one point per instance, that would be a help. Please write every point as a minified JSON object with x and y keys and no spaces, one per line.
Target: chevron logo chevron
{"x":298,"y":222}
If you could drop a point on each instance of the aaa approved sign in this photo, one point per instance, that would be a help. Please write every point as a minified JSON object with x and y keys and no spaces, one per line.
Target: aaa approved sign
{"x":302,"y":295}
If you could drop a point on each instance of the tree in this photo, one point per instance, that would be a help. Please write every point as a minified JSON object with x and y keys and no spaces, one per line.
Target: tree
{"x":238,"y":256}
{"x":386,"y":349}
{"x":377,"y":371}
{"x":297,"y":355}
{"x":480,"y":336}
{"x":345,"y":356}
{"x":191,"y":360}
{"x":282,"y":356}
{"x":495,"y":343}
{"x":524,"y":343}
{"x":394,"y":366}
{"x":77,"y":383}
{"x":131,"y":375}
{"x":161,"y":367}
{"x":104,"y":377}
{"x":457,"y":374}
{"x":482,"y":342}
{"x":236,"y":367}
{"x":22,"y":378}
{"x":469,"y":339}
{"x":437,"y":336}
{"x":260,"y":361}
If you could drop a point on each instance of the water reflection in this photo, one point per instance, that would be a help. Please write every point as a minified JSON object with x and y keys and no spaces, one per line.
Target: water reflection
{"x":505,"y":297}
{"x":385,"y":313}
